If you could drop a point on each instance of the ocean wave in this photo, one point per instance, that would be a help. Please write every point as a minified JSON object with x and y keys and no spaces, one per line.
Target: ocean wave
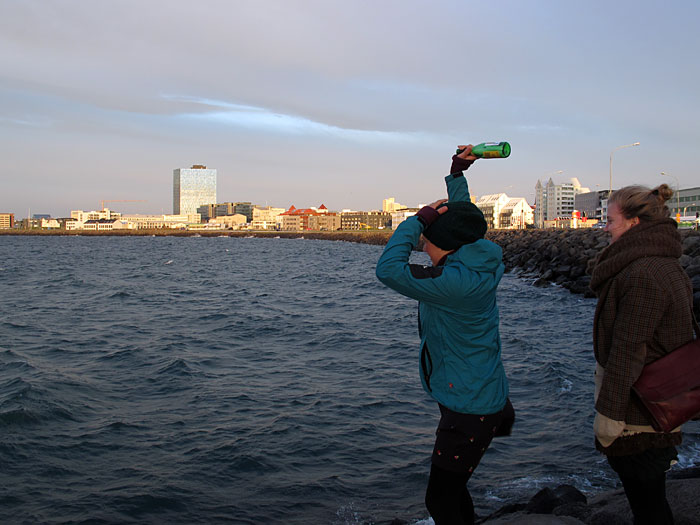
{"x":276,"y":384}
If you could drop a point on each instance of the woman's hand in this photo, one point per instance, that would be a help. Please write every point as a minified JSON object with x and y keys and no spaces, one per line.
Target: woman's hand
{"x":467,"y":153}
{"x":429,"y":213}
{"x":437,"y":203}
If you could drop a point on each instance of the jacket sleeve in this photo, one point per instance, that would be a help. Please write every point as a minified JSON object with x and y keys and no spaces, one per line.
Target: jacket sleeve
{"x":435,"y":285}
{"x":457,"y":188}
{"x":639,"y":311}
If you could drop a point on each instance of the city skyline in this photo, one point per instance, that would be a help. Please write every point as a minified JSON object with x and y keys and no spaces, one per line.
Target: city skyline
{"x":298,"y":102}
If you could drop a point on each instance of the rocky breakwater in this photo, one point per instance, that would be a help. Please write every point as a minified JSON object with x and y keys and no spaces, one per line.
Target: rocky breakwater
{"x":561,"y":257}
{"x":567,"y":505}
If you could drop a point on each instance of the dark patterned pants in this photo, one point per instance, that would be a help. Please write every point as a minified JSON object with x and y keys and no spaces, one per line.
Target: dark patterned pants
{"x":461,"y":441}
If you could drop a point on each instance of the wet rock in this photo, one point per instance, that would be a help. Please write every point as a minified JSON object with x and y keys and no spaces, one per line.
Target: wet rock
{"x":564,"y":270}
{"x":566,"y":504}
{"x":691,"y":243}
{"x":693,"y":269}
{"x":542,"y":503}
{"x":547,"y":500}
{"x":695,"y":281}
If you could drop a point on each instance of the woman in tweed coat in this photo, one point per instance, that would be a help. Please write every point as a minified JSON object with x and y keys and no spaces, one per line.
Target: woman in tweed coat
{"x":644,"y":311}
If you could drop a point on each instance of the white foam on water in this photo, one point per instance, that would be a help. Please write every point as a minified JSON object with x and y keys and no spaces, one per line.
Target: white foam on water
{"x":566,"y":386}
{"x":689,"y":457}
{"x":347,"y":515}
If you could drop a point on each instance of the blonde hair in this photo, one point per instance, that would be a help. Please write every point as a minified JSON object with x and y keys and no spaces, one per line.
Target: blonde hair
{"x":641,"y":202}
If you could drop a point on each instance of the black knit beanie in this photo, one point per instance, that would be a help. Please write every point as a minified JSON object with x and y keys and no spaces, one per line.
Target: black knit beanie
{"x":462,"y":223}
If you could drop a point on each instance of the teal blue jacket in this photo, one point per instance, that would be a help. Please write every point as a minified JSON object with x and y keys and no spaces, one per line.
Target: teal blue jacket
{"x":460,"y":361}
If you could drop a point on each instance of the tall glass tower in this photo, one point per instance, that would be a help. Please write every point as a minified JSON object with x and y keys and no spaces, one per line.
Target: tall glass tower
{"x":193,"y":187}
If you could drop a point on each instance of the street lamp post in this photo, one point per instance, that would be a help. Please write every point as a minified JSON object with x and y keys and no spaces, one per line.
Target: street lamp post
{"x":678,"y":198}
{"x":611,"y":159}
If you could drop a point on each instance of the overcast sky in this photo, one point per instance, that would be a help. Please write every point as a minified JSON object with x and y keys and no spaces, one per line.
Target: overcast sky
{"x":343,"y":103}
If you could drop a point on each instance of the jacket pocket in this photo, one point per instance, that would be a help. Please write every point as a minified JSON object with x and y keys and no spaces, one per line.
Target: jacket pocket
{"x":426,"y":364}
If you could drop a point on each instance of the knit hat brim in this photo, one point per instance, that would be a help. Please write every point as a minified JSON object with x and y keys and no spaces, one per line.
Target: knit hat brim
{"x":462,"y":223}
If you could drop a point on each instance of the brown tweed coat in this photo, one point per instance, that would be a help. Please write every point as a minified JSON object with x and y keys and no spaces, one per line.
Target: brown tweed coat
{"x":644,"y":311}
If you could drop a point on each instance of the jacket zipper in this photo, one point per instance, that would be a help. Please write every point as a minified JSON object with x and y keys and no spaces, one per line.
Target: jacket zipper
{"x":427,"y":365}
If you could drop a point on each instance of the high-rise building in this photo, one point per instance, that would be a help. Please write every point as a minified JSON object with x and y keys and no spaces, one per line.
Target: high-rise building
{"x":555,"y":201}
{"x":192,"y":188}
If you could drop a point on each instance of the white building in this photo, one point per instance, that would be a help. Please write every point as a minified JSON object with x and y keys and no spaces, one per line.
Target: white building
{"x":491,"y":206}
{"x":80,"y":218}
{"x":84,"y":216}
{"x":267,"y":218}
{"x":234,"y":221}
{"x":193,"y":187}
{"x":152,"y":222}
{"x":50,"y":224}
{"x":516,"y":214}
{"x":555,"y":201}
{"x":397,"y":217}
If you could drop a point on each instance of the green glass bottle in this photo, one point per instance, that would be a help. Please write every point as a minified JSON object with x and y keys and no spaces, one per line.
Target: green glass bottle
{"x":490,"y":150}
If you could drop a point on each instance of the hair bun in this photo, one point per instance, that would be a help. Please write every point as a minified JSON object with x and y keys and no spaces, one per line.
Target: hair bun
{"x":664,"y":192}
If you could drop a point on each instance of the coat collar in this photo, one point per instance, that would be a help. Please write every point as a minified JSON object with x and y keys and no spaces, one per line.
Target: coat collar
{"x":648,"y":239}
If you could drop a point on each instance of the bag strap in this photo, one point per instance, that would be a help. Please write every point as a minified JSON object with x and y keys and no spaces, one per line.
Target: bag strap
{"x":696,"y":327}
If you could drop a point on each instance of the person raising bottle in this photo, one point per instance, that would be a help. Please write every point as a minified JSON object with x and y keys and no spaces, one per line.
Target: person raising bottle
{"x":458,"y":323}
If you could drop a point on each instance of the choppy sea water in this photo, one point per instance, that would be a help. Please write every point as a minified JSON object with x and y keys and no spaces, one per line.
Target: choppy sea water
{"x":228,"y":380}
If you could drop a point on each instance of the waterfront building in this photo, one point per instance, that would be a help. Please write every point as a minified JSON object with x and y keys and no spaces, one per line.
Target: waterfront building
{"x":554,"y":201}
{"x":84,"y":216}
{"x":141,"y":222}
{"x":208,"y":211}
{"x":516,"y":214}
{"x":491,"y":206}
{"x":28,"y":224}
{"x":149,"y":222}
{"x":398,"y":217}
{"x":99,"y":225}
{"x":193,"y":187}
{"x":266,"y":218}
{"x":7,"y":220}
{"x":243,"y":208}
{"x":235,"y":221}
{"x":295,"y":219}
{"x":365,"y":220}
{"x":50,"y":224}
{"x":324,"y":222}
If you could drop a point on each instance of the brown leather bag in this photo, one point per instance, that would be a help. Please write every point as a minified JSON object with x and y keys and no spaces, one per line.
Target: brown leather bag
{"x":669,"y":387}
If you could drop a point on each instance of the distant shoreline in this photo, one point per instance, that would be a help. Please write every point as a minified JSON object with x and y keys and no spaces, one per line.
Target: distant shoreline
{"x":365,"y":237}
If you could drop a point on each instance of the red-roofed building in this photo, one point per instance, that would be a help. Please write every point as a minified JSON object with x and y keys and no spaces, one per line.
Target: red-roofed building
{"x":320,"y":218}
